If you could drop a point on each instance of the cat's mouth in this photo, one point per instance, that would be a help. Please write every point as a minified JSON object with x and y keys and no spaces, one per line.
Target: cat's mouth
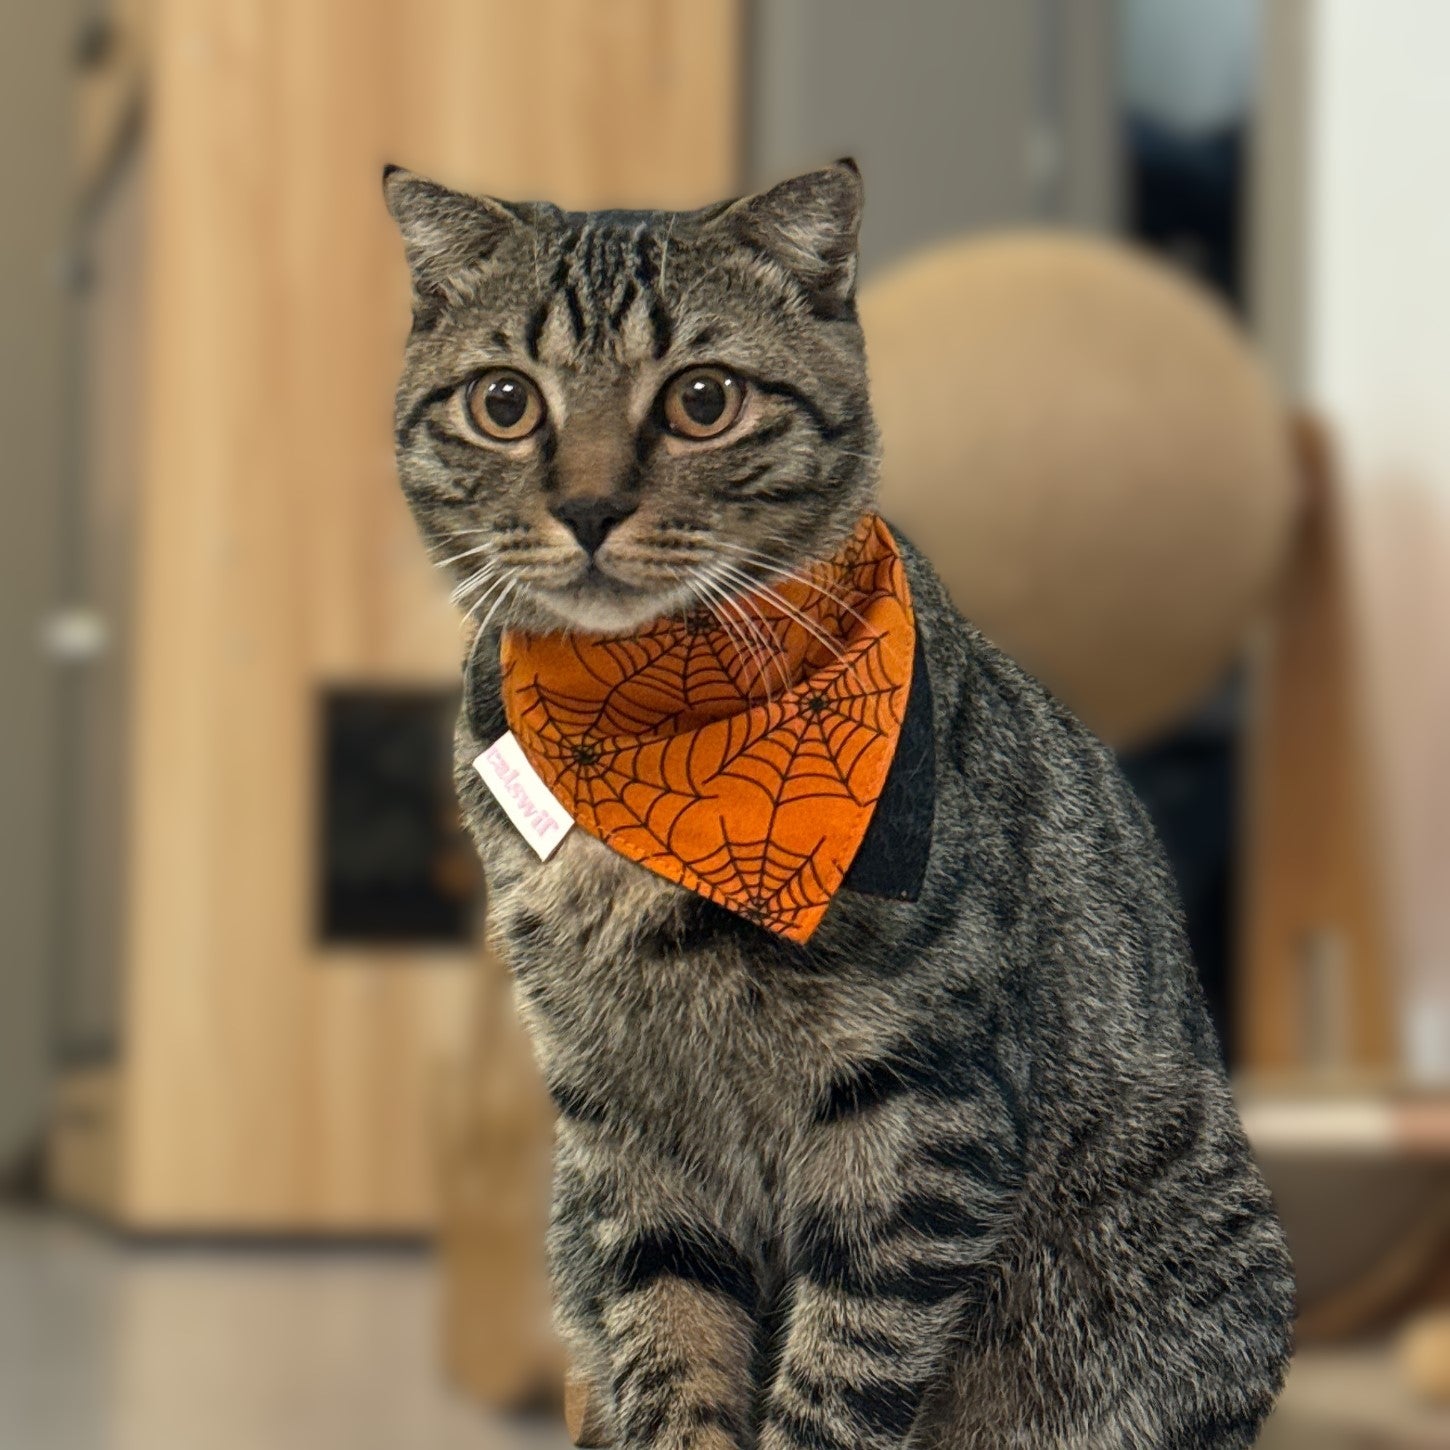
{"x":594,"y":575}
{"x":597,"y":600}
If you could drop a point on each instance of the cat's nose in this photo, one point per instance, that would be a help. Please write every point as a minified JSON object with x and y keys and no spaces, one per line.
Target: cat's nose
{"x":591,"y":519}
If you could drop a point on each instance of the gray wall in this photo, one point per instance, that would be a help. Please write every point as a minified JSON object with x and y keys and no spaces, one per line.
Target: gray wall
{"x":962,"y":113}
{"x":35,"y":106}
{"x":1278,"y":238}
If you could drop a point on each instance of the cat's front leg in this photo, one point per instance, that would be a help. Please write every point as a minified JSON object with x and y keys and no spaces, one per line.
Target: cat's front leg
{"x":659,"y":1303}
{"x":899,"y":1214}
{"x":860,"y":1355}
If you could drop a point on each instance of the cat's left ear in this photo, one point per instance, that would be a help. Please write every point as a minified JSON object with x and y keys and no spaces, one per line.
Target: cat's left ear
{"x":445,"y":233}
{"x":810,"y":225}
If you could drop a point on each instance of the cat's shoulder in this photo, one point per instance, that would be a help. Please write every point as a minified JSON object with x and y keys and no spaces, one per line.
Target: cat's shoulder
{"x":972,"y":676}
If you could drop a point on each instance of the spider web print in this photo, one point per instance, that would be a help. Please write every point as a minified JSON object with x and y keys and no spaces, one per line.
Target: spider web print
{"x":748,"y":779}
{"x":764,"y":882}
{"x":820,"y":735}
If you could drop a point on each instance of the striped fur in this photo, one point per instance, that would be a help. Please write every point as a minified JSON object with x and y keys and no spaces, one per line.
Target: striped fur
{"x":962,"y":1172}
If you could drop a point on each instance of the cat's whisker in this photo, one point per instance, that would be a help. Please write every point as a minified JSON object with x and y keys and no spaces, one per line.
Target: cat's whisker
{"x":475,"y":582}
{"x":478,"y":636}
{"x":744,"y":602}
{"x":714,"y":605}
{"x":742,"y":580}
{"x":761,"y":655}
{"x":494,"y":607}
{"x":483,"y":570}
{"x":700,"y":590}
{"x":828,"y":594}
{"x":779,"y":568}
{"x":462,"y":594}
{"x":756,"y":623}
{"x":769,"y":651}
{"x":458,"y":558}
{"x":481,"y":630}
{"x":785,"y":571}
{"x":711,"y":608}
{"x":485,"y":594}
{"x":832,"y":646}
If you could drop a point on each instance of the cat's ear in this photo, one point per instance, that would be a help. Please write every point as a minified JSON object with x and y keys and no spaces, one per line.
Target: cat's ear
{"x":445,"y":233}
{"x":810,"y":225}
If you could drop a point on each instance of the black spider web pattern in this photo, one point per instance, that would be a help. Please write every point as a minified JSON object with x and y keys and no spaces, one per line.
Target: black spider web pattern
{"x":843,"y":588}
{"x":816,"y":738}
{"x":676,"y":668}
{"x":763,"y":881}
{"x":642,"y":759}
{"x":621,"y":757}
{"x":622,"y":784}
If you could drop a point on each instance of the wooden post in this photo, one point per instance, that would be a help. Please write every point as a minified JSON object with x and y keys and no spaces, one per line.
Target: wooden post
{"x":1315,"y":985}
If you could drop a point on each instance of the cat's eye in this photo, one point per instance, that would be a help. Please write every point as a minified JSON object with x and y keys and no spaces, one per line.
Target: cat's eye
{"x":503,"y":404}
{"x":702,"y":402}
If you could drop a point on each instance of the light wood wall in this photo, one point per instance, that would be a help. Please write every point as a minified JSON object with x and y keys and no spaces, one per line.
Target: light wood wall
{"x":269,"y":1084}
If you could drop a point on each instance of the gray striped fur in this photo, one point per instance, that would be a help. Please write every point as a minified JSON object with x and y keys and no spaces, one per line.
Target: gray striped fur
{"x":960,"y":1172}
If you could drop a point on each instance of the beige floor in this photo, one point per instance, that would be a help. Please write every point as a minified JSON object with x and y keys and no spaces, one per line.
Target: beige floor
{"x":106,"y":1347}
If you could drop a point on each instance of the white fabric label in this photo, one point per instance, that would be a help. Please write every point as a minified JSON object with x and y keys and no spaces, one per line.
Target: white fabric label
{"x":526,"y":800}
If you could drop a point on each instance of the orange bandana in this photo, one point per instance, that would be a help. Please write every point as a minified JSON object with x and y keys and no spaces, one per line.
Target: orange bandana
{"x":744,"y":762}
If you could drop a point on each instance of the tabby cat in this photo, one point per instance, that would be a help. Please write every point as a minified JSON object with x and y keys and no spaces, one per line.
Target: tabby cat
{"x":959,"y":1169}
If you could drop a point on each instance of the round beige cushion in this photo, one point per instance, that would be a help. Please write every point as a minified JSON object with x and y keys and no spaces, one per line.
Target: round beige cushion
{"x":1086,"y":448}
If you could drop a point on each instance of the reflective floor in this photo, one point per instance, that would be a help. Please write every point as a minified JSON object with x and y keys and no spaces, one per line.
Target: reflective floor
{"x":105,"y":1346}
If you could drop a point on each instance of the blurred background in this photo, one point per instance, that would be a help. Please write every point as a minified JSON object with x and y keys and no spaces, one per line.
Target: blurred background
{"x":1155,"y":297}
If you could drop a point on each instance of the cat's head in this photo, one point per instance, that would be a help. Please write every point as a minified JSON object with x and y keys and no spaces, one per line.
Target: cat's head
{"x":605,"y":417}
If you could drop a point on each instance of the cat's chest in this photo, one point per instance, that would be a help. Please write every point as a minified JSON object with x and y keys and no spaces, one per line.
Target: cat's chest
{"x":618,"y":991}
{"x":590,"y":897}
{"x":588,"y":936}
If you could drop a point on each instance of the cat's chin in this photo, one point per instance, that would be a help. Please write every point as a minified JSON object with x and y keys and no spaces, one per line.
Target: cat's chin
{"x":603,"y":604}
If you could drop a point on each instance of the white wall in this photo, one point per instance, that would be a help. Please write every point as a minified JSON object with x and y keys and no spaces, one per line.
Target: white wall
{"x":1377,"y":353}
{"x":1355,"y":215}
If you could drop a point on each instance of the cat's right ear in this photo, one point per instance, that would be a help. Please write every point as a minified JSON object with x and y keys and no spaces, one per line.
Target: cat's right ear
{"x":446,"y":234}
